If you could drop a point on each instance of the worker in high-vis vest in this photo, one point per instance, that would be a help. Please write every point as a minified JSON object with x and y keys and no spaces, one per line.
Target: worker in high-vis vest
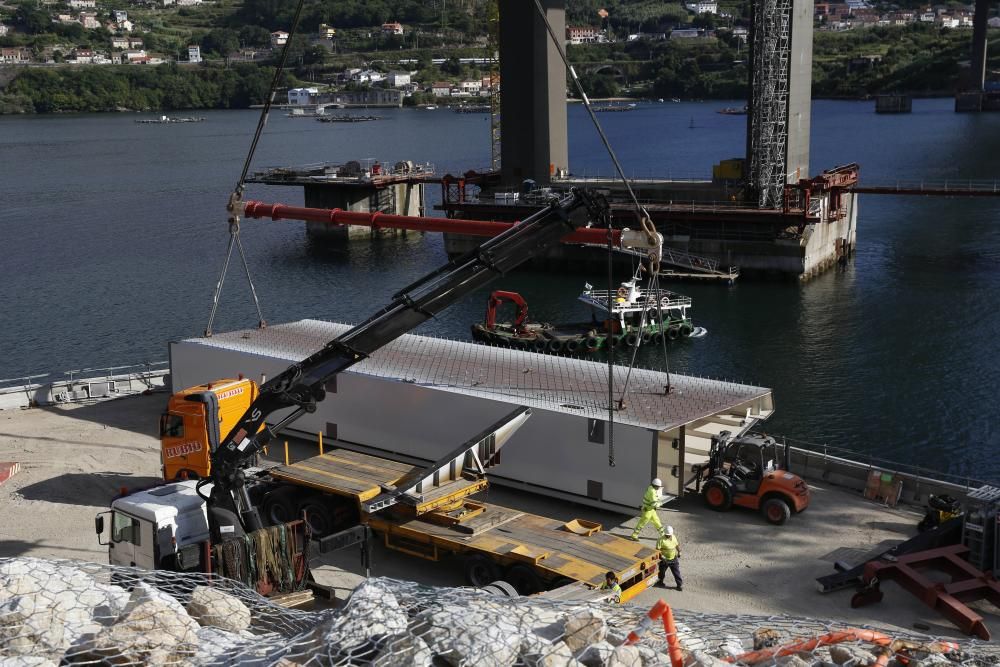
{"x":611,"y":584}
{"x":670,"y":554}
{"x":651,"y":501}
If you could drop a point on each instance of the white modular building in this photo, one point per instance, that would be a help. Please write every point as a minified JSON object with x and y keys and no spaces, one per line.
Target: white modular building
{"x":418,"y":397}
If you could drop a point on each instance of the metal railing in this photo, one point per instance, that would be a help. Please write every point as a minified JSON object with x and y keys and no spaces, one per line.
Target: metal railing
{"x":923,"y":186}
{"x":877,"y":462}
{"x":668,"y":300}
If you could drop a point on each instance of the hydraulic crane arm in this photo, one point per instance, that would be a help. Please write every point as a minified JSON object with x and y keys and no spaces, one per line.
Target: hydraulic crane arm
{"x":301,"y":386}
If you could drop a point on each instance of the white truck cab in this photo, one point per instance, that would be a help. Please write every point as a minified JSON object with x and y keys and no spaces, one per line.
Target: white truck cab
{"x":165,"y":527}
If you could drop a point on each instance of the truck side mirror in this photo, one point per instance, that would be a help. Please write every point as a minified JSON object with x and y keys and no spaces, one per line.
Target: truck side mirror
{"x":99,"y":527}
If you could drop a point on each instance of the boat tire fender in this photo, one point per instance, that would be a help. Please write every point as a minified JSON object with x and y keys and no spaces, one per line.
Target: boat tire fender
{"x":646,"y":337}
{"x":540,"y":344}
{"x":631,"y":339}
{"x":572,"y":345}
{"x":555,"y":345}
{"x":686,"y":329}
{"x":673,"y":333}
{"x":592,"y":343}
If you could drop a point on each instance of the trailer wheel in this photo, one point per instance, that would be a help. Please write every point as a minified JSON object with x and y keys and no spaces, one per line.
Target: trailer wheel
{"x":279,"y":507}
{"x":776,"y":511}
{"x":320,"y":516}
{"x":717,"y":494}
{"x":501,"y":588}
{"x":560,"y":582}
{"x":480,"y":570}
{"x":523,"y":579}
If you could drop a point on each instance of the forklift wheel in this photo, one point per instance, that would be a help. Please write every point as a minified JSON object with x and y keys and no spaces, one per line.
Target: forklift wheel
{"x":717,"y":495}
{"x":776,"y":511}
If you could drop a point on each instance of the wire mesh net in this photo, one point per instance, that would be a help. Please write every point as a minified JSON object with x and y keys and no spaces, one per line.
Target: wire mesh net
{"x":72,"y":613}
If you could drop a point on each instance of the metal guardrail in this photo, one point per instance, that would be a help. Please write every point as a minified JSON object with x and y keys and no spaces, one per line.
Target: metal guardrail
{"x":668,"y":299}
{"x":957,"y":186}
{"x":876,"y":462}
{"x":81,"y":384}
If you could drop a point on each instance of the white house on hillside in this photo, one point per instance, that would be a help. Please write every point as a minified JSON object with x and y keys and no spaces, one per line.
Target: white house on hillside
{"x":301,"y":96}
{"x":398,"y":79}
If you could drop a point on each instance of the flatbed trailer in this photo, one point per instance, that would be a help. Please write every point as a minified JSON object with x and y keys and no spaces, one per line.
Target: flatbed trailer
{"x":530,"y":552}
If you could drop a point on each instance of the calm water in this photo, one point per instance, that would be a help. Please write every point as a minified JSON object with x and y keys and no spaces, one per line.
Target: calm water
{"x":114,"y":233}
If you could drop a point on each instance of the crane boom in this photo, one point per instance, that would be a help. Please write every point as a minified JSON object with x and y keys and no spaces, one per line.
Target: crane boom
{"x":302,"y":385}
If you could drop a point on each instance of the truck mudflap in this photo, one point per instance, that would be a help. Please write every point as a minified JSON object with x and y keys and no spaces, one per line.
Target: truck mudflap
{"x":270,"y":560}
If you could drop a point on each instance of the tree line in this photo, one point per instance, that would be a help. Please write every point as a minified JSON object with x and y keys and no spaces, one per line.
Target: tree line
{"x":136,"y":88}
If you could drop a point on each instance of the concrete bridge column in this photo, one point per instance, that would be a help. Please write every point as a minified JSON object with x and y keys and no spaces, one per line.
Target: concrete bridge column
{"x":533,"y":92}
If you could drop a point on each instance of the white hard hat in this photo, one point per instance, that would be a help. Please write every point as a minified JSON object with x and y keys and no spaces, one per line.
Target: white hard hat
{"x":657,"y":482}
{"x":669,"y":530}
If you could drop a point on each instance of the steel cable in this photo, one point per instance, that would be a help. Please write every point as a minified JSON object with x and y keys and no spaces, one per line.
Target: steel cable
{"x":236,"y":198}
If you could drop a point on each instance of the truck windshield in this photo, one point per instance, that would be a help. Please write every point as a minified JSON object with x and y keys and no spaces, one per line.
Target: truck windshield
{"x":125,"y":529}
{"x":171,"y":426}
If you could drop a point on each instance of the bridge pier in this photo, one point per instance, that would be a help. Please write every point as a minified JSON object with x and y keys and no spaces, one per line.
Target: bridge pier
{"x":533,"y":97}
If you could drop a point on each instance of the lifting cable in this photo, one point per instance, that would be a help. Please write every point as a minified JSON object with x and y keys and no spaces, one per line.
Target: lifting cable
{"x":236,"y":198}
{"x":642,"y":215}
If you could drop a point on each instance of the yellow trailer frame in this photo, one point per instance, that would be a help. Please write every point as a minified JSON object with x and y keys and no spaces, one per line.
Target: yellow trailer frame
{"x":446,"y":521}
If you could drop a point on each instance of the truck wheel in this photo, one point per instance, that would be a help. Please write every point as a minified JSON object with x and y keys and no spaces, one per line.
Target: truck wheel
{"x":523,"y":579}
{"x":480,"y":570}
{"x":717,"y":494}
{"x":776,"y":511}
{"x":278,"y":507}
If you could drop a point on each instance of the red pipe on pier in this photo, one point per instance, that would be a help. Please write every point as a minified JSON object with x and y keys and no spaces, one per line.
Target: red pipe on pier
{"x":336,"y":216}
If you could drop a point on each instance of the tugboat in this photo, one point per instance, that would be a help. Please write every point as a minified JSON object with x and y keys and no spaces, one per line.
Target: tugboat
{"x":634,"y":319}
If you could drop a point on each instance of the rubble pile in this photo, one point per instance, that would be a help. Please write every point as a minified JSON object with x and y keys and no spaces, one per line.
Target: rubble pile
{"x":71,"y":613}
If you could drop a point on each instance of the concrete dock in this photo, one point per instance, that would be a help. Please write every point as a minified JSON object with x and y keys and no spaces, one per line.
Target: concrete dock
{"x":75,"y":458}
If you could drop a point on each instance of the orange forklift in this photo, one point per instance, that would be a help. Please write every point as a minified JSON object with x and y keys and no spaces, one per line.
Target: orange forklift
{"x":746,"y":472}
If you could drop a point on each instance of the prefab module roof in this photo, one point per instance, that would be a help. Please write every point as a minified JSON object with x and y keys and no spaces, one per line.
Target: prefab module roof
{"x":561,"y":384}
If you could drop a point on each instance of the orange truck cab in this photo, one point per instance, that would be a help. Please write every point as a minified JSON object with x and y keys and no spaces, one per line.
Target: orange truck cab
{"x":195,"y":422}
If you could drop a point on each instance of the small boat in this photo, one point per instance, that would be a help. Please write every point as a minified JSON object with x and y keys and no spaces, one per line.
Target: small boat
{"x":733,"y":111}
{"x":344,"y":118}
{"x":472,"y":108}
{"x":635,"y":318}
{"x":430,"y":107}
{"x":614,"y":107}
{"x":163,"y":120}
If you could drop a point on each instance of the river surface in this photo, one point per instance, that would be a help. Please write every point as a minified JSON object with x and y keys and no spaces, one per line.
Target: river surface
{"x":113,"y":236}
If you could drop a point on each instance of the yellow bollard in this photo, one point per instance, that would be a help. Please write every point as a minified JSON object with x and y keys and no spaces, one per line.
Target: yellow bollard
{"x":286,"y":452}
{"x":320,"y":443}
